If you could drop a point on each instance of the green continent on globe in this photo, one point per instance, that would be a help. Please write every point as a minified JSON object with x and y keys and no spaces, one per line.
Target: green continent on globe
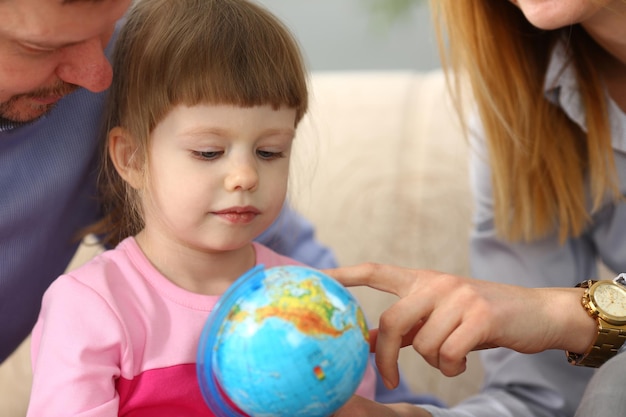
{"x":362,"y":324}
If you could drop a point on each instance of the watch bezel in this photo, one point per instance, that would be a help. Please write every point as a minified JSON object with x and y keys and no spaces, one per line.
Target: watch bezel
{"x":596,"y":310}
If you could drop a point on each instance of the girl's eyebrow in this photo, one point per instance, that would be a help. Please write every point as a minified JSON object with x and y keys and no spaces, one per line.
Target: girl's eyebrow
{"x":204,"y":131}
{"x":217,"y":131}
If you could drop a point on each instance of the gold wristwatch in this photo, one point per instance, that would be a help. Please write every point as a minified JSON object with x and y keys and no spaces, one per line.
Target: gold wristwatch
{"x":606,"y":302}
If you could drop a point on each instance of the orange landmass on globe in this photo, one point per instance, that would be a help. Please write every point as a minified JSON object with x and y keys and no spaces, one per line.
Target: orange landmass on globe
{"x":305,"y":306}
{"x":305,"y":320}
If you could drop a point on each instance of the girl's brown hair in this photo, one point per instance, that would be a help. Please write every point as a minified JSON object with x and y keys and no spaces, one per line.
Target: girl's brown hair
{"x":540,"y":159}
{"x":189,"y":52}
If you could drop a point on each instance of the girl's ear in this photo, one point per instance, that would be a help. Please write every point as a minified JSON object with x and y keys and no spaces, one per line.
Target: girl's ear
{"x":123,"y":153}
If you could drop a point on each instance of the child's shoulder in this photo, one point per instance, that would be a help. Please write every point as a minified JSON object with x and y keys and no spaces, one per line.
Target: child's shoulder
{"x":103,"y":268}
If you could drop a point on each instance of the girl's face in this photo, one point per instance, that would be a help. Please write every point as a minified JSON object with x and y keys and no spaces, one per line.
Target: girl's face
{"x":217,"y":174}
{"x":554,"y":14}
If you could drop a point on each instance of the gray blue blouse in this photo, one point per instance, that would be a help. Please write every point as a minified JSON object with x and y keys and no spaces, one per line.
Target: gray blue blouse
{"x":542,"y":384}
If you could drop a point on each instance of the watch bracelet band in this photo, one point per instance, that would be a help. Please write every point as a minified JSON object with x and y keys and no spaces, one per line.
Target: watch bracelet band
{"x":606,"y":344}
{"x":602,"y":350}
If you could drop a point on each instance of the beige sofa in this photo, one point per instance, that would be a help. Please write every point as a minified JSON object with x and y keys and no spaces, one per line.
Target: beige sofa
{"x":381,"y":169}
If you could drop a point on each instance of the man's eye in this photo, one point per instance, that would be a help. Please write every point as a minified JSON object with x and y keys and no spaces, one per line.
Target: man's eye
{"x":208,"y":155}
{"x":32,"y":50}
{"x":269,"y":155}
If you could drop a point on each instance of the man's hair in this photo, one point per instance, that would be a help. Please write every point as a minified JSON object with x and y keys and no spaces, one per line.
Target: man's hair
{"x":189,"y":52}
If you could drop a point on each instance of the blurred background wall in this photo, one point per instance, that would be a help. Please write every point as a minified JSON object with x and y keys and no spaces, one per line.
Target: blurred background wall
{"x":361,"y":34}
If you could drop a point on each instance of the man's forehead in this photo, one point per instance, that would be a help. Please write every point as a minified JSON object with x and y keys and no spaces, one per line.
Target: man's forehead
{"x":60,"y":1}
{"x":53,"y":2}
{"x":58,"y":21}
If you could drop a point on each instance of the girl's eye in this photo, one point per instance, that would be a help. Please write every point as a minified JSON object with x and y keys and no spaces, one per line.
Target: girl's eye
{"x":208,"y":155}
{"x":269,"y":155}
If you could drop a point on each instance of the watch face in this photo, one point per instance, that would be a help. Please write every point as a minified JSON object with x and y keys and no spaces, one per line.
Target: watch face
{"x":610,"y":300}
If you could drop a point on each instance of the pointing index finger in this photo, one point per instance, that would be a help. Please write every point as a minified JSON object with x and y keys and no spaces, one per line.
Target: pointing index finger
{"x":387,"y":278}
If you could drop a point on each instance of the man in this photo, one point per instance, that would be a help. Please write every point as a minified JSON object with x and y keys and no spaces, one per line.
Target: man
{"x":48,"y":142}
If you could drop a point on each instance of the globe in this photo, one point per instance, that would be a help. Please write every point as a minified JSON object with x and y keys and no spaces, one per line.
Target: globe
{"x":284,"y":341}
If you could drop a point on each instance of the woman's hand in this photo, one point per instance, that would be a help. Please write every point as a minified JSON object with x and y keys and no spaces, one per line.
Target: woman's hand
{"x":362,"y":407}
{"x":444,"y":317}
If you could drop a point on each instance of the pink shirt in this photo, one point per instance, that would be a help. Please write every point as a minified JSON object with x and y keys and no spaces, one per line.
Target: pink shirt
{"x":115,"y":337}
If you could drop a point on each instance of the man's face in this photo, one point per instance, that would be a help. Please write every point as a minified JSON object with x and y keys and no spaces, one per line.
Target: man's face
{"x":48,"y":49}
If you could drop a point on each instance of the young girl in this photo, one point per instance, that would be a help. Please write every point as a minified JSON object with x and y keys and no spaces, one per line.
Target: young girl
{"x":202,"y":114}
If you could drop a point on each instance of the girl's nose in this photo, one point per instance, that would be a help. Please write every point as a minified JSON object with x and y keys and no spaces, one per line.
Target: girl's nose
{"x":242,"y":177}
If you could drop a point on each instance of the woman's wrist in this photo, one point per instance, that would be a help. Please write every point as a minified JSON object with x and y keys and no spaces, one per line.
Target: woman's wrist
{"x":409,"y":410}
{"x":575,"y":329}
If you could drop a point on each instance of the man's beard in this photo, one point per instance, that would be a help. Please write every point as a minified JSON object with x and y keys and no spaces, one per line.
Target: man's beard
{"x":10,"y":110}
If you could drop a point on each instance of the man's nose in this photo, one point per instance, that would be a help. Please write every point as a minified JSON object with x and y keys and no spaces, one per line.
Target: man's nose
{"x":85,"y":64}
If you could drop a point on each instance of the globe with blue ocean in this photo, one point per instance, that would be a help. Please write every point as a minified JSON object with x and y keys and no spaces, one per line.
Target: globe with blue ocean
{"x":282,"y":342}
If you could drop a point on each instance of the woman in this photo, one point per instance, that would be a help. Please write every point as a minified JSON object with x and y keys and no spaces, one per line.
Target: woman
{"x":548,"y":86}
